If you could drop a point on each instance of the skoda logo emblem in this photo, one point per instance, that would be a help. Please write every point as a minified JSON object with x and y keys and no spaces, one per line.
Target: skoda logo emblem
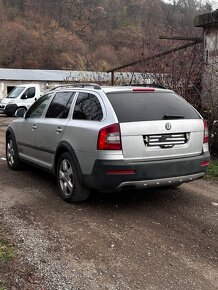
{"x":168,"y":126}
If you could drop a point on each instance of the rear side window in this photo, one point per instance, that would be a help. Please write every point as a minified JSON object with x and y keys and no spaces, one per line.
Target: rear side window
{"x":60,"y":105}
{"x":135,"y":107}
{"x":87,"y":107}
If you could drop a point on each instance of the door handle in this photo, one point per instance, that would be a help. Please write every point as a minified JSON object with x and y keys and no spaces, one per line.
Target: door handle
{"x":34,"y":127}
{"x":59,"y":130}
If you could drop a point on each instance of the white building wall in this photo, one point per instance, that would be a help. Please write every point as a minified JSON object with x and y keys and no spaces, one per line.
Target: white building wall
{"x":84,"y":76}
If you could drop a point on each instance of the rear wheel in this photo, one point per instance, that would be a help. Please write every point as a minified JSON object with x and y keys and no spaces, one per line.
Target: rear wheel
{"x":12,"y":153}
{"x":69,"y":180}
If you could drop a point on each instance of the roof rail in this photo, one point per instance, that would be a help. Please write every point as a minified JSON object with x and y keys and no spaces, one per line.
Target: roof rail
{"x":78,"y":85}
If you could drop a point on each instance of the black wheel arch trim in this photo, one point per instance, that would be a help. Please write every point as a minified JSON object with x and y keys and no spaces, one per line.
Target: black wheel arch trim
{"x":10,"y":132}
{"x":62,"y":147}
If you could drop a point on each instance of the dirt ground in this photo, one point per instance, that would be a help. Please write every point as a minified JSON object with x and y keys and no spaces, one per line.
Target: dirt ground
{"x":150,"y":239}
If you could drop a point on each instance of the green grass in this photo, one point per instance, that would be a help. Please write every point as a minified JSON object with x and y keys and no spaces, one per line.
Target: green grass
{"x":6,"y":255}
{"x":212,"y":172}
{"x":6,"y":252}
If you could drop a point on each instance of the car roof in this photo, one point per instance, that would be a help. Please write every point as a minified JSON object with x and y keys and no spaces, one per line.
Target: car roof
{"x":109,"y":89}
{"x":113,"y":89}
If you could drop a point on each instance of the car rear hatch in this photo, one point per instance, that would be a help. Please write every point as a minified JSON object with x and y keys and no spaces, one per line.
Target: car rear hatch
{"x":157,"y":124}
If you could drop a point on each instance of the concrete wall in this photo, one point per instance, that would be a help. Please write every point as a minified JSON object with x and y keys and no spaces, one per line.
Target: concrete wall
{"x":209,"y":23}
{"x":210,"y":76}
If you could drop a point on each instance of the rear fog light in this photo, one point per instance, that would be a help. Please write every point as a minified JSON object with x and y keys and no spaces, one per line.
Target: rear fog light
{"x":204,"y":163}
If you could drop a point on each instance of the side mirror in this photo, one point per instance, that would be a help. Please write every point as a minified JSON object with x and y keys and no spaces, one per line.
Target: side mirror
{"x":20,"y":113}
{"x":24,"y":97}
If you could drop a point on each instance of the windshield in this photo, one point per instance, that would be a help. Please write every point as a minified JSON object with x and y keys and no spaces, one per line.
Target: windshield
{"x":15,"y":92}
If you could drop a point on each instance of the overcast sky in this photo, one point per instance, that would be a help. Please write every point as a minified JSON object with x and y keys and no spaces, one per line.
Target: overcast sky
{"x":213,"y":2}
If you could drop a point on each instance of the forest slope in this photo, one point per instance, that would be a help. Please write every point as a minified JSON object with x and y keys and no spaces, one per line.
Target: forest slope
{"x":88,"y":35}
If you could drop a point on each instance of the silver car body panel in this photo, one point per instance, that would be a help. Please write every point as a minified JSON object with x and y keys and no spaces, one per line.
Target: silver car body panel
{"x":82,"y":135}
{"x":132,"y":134}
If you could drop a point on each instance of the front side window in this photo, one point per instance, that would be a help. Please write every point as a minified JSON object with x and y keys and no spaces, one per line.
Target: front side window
{"x":88,"y":107}
{"x":38,"y":107}
{"x":60,"y":105}
{"x":29,"y":93}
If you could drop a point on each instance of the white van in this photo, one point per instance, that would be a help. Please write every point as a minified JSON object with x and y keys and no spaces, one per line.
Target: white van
{"x":22,"y":96}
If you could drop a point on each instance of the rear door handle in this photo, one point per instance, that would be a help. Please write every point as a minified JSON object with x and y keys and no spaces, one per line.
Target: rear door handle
{"x":34,"y":127}
{"x":59,"y":130}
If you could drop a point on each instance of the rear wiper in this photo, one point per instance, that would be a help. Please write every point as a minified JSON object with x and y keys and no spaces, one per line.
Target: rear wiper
{"x":171,"y":117}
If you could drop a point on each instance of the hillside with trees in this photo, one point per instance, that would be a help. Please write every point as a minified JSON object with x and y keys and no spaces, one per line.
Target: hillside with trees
{"x":98,"y":35}
{"x":90,"y":34}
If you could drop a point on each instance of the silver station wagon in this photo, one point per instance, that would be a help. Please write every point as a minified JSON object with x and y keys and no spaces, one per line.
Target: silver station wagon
{"x":110,"y":138}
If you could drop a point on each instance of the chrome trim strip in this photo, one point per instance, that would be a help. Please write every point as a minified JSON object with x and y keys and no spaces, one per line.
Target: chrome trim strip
{"x":162,"y":182}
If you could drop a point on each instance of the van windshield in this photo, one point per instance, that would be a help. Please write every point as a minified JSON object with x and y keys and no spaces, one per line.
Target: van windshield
{"x":15,"y":92}
{"x":134,"y":107}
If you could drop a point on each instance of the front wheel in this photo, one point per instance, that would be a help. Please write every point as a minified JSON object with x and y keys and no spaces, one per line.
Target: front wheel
{"x":69,"y":180}
{"x":12,"y":153}
{"x":24,"y":111}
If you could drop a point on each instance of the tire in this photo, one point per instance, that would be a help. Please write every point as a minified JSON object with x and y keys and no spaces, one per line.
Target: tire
{"x":69,"y":180}
{"x":20,"y":108}
{"x":12,"y":153}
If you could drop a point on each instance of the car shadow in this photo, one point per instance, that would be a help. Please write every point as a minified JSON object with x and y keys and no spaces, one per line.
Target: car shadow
{"x":156,"y":197}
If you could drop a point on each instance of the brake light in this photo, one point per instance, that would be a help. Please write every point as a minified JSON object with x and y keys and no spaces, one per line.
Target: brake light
{"x":143,"y":90}
{"x":206,"y":134}
{"x":109,"y":138}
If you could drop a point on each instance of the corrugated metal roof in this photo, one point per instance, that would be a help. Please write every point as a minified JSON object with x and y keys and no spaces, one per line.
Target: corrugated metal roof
{"x":64,"y":75}
{"x":206,"y":19}
{"x":41,"y":75}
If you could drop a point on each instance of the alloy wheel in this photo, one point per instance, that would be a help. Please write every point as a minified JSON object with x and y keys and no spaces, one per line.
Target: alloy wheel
{"x":10,"y":152}
{"x":66,"y":178}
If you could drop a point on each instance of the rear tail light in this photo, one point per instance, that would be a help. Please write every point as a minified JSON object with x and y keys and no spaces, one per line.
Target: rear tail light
{"x":206,"y":134}
{"x":109,"y":138}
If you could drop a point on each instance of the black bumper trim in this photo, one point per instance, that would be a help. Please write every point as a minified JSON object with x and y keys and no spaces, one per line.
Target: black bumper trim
{"x":150,"y":170}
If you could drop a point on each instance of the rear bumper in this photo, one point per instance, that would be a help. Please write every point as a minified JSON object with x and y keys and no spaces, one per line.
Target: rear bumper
{"x":147,"y":174}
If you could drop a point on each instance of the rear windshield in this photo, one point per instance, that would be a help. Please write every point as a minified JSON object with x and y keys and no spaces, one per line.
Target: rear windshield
{"x":134,"y":107}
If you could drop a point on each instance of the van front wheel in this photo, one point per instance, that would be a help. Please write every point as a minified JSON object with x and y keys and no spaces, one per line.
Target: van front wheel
{"x":24,"y":108}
